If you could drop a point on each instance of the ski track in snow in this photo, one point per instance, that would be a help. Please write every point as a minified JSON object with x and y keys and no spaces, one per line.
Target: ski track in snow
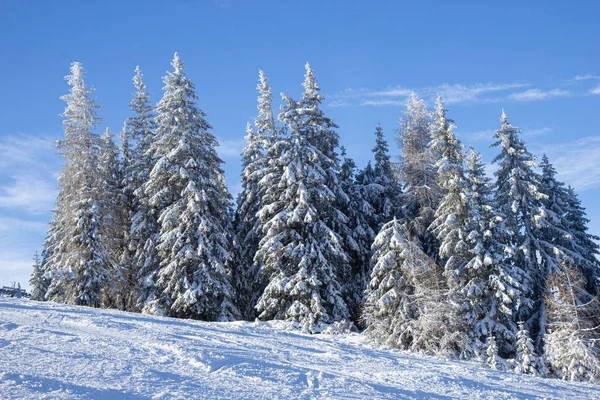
{"x":54,"y":351}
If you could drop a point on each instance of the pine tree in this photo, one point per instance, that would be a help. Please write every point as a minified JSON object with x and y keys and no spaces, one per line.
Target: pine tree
{"x":526,"y":359}
{"x":492,"y":352}
{"x":571,"y":345}
{"x":388,"y":190}
{"x":491,"y":291}
{"x":142,"y":236}
{"x":417,"y":171}
{"x":357,"y":244}
{"x":389,"y":308}
{"x":36,"y":282}
{"x":584,"y":243}
{"x":187,"y":189}
{"x":82,"y":267}
{"x":451,"y":223}
{"x":519,"y":201}
{"x":301,"y":255}
{"x":247,"y":225}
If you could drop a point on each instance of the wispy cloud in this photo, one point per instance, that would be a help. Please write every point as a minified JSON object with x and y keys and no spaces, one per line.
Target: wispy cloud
{"x":395,"y":95}
{"x":229,"y":148}
{"x":537,"y":131}
{"x":470,"y":93}
{"x":583,"y":174}
{"x":31,"y":194}
{"x":537,"y":94}
{"x":586,"y":77}
{"x":382,"y":102}
{"x":222,"y":4}
{"x":595,"y":90}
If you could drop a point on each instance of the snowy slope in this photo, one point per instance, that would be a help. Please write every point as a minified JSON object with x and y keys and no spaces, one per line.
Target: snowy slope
{"x":55,"y":351}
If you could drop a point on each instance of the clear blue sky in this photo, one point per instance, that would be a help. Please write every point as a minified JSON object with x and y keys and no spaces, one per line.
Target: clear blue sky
{"x":540,"y":60}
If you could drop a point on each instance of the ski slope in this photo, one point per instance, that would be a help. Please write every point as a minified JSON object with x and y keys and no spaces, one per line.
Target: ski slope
{"x":55,"y":351}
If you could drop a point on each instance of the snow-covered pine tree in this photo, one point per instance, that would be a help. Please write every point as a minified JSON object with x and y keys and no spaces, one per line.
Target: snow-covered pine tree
{"x":451,"y":223}
{"x":492,"y":352}
{"x":137,"y":136}
{"x":82,"y":267}
{"x":493,"y":289}
{"x":520,"y":203}
{"x":389,"y":310}
{"x":50,"y":257}
{"x":115,"y":224}
{"x":301,"y":256}
{"x":526,"y":360}
{"x":187,"y":189}
{"x":247,"y":225}
{"x":36,"y":282}
{"x":386,"y":200}
{"x":417,"y":171}
{"x":357,"y":243}
{"x":583,"y":242}
{"x":571,"y":345}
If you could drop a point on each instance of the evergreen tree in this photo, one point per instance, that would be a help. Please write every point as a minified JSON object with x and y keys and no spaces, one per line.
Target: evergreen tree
{"x":247,"y":224}
{"x":519,"y":201}
{"x":571,"y":345}
{"x":357,"y":244}
{"x":526,"y":359}
{"x":417,"y":171}
{"x":584,"y":243}
{"x":387,"y":193}
{"x":36,"y":282}
{"x":82,"y":267}
{"x":389,"y":308}
{"x":492,"y":352}
{"x":301,"y":255}
{"x":137,"y":161}
{"x":187,"y":189}
{"x":491,"y":291}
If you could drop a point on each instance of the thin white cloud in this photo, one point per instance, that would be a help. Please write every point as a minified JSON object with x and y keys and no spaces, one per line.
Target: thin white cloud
{"x":583,"y":174}
{"x":479,"y":135}
{"x":537,"y":132}
{"x":458,"y":93}
{"x":595,"y":90}
{"x":537,"y":94}
{"x":393,"y":95}
{"x":30,"y":194}
{"x":382,"y":102}
{"x":230,"y":148}
{"x":586,"y":77}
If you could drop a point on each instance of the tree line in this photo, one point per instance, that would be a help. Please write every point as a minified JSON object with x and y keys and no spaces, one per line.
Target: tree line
{"x":428,"y":254}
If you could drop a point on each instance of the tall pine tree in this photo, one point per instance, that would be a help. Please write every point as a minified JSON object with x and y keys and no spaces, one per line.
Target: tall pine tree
{"x":187,"y":189}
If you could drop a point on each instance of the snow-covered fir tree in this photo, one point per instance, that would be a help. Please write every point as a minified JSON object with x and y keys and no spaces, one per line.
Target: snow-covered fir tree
{"x":491,"y":291}
{"x":585,"y":243}
{"x":492,"y":352}
{"x":520,"y":202}
{"x":81,"y":269}
{"x":357,"y":243}
{"x":526,"y":360}
{"x":187,"y":189}
{"x":36,"y":282}
{"x":389,"y":309}
{"x":137,"y":135}
{"x":247,"y":225}
{"x":571,"y":345}
{"x":301,"y":256}
{"x":417,"y":171}
{"x":385,"y":187}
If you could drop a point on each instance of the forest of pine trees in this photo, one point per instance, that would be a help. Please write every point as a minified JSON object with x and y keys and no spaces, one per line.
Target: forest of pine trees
{"x":426,"y":254}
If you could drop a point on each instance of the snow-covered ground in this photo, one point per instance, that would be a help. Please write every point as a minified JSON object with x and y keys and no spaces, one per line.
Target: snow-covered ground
{"x":49,"y":350}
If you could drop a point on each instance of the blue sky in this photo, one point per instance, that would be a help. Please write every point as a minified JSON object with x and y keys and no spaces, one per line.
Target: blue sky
{"x":538,"y":60}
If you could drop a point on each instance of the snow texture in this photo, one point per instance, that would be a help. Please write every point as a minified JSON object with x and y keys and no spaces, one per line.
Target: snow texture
{"x":66,"y":352}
